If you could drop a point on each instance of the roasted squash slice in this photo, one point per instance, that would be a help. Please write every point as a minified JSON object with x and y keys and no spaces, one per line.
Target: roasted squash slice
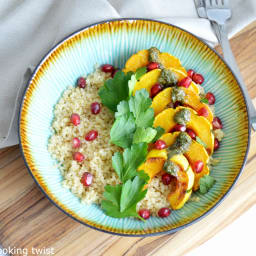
{"x":162,"y":99}
{"x":182,"y":189}
{"x":147,"y":80}
{"x":140,"y":59}
{"x":196,"y":152}
{"x":199,"y":124}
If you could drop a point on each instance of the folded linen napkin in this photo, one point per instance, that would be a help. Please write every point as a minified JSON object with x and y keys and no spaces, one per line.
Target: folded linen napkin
{"x":30,"y":28}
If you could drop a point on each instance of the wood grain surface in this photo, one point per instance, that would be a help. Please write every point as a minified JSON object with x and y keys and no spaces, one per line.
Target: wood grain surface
{"x":28,"y":220}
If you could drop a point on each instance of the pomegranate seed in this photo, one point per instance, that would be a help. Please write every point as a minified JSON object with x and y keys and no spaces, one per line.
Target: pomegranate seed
{"x":81,"y":82}
{"x":216,"y":144}
{"x":160,"y":144}
{"x":191,"y":73}
{"x":107,"y":68}
{"x":92,"y":135}
{"x":75,"y":119}
{"x":198,"y":78}
{"x":79,"y":157}
{"x":144,"y":213}
{"x":152,"y":65}
{"x":76,"y":143}
{"x":210,"y":97}
{"x":86,"y":179}
{"x":164,"y":212}
{"x":176,"y":104}
{"x":114,"y":72}
{"x":166,"y":178}
{"x":198,"y":166}
{"x":191,"y":133}
{"x":155,"y":89}
{"x":95,"y":108}
{"x":179,"y":128}
{"x":203,"y":112}
{"x":185,"y":82}
{"x":216,"y":123}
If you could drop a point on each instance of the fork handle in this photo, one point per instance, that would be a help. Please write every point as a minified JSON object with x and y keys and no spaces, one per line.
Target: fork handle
{"x":230,"y":59}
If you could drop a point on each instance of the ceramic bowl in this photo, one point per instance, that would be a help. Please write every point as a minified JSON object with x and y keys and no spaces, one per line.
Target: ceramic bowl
{"x":113,"y":42}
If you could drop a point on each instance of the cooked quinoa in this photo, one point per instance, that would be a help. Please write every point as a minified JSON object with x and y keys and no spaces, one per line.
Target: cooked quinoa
{"x":98,"y":153}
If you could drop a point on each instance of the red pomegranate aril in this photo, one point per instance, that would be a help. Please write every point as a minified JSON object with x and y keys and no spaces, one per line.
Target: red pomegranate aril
{"x":81,"y":82}
{"x":176,"y":104}
{"x":86,"y":179}
{"x":75,"y":119}
{"x":216,"y":123}
{"x":155,"y":89}
{"x":76,"y":142}
{"x":185,"y":82}
{"x":198,"y":78}
{"x":179,"y":128}
{"x":191,"y":133}
{"x":203,"y":112}
{"x":160,"y":144}
{"x":166,"y":178}
{"x":198,"y":166}
{"x":95,"y":108}
{"x":210,"y":97}
{"x":144,"y":213}
{"x":164,"y":212}
{"x":216,"y":144}
{"x":191,"y":73}
{"x":92,"y":135}
{"x":79,"y":157}
{"x":107,"y":68}
{"x":152,"y":65}
{"x":114,"y":72}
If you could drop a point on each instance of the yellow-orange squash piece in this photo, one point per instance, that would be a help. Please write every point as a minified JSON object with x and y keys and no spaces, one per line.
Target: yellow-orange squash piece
{"x":140,"y":59}
{"x":196,"y":152}
{"x":199,"y":124}
{"x":152,"y":166}
{"x":162,"y":99}
{"x":182,"y":189}
{"x":147,"y":80}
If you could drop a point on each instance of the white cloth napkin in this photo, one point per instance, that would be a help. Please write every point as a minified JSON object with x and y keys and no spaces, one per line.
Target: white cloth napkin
{"x":30,"y":28}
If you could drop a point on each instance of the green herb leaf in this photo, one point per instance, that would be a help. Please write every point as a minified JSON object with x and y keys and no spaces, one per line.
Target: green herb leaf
{"x":140,"y":72}
{"x":121,"y":133}
{"x":126,"y":164}
{"x":121,"y":200}
{"x":143,"y":175}
{"x":122,"y":109}
{"x":140,"y":107}
{"x":160,"y":132}
{"x":144,"y":135}
{"x":115,"y":90}
{"x":206,"y":182}
{"x":131,"y":84}
{"x":201,"y":142}
{"x":204,"y":100}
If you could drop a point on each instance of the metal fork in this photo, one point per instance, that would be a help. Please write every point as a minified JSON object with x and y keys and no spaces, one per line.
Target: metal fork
{"x":218,"y":12}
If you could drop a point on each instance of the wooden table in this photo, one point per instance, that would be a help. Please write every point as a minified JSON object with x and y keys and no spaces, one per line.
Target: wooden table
{"x":28,"y":219}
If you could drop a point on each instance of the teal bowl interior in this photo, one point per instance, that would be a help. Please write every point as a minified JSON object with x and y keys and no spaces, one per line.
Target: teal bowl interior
{"x":113,"y":42}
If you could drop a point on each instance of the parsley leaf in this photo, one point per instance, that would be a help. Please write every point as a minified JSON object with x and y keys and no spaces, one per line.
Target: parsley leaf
{"x":144,"y":135}
{"x":122,"y":109}
{"x":200,"y":142}
{"x":121,"y":133}
{"x":140,"y":107}
{"x":206,"y":182}
{"x":126,"y":164}
{"x":205,"y":100}
{"x":160,"y":131}
{"x":121,"y":200}
{"x":115,"y":90}
{"x":140,"y":72}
